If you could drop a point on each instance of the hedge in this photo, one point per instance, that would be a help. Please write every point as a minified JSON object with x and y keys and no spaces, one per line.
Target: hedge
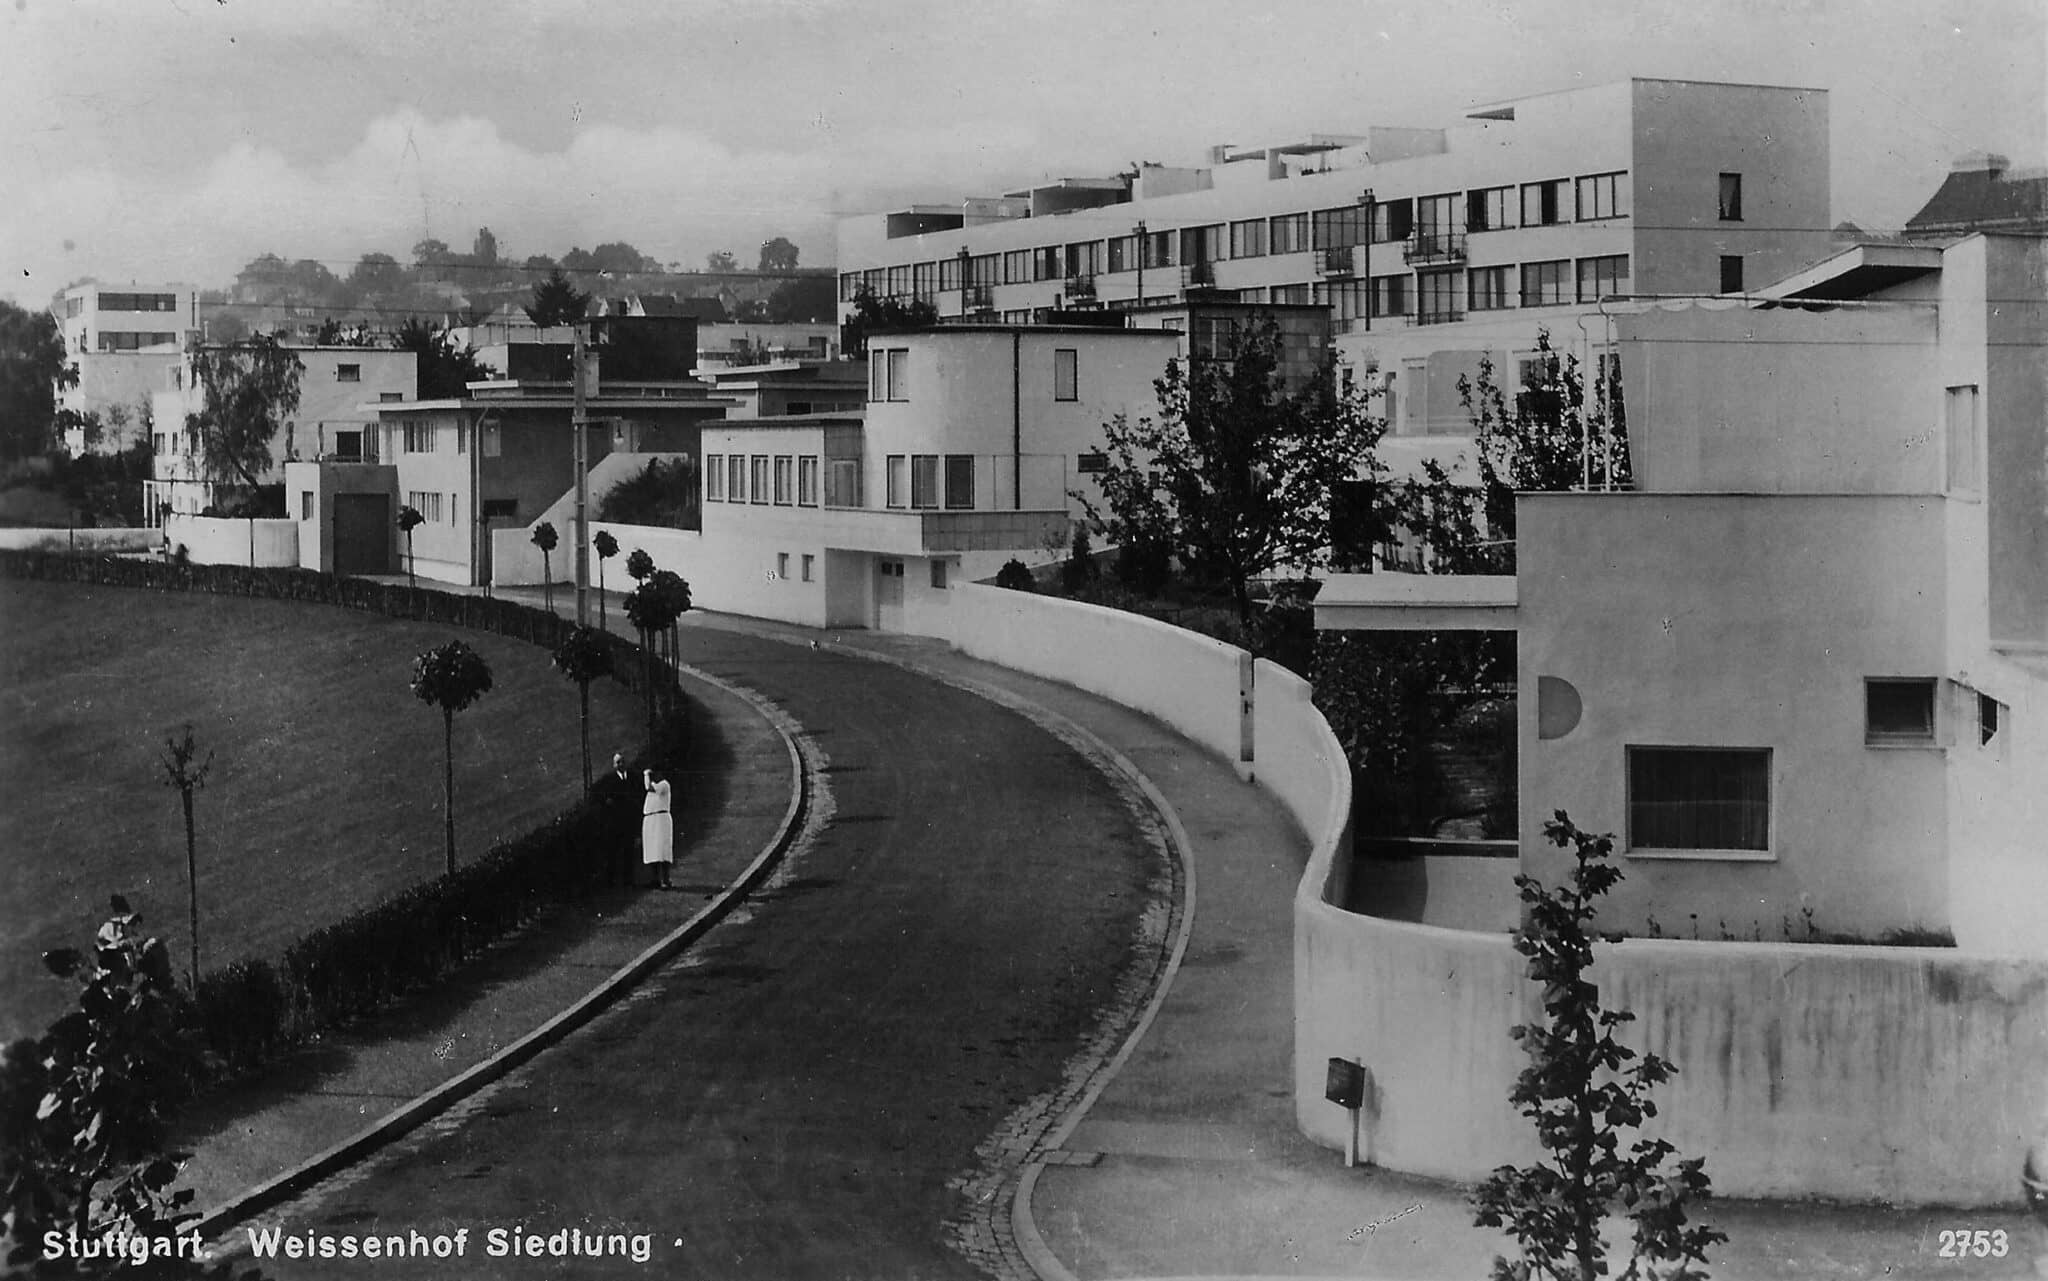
{"x":252,"y":1012}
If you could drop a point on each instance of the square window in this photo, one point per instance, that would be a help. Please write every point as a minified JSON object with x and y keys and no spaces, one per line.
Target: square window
{"x":1699,"y":799}
{"x":348,"y":373}
{"x":1898,"y":712}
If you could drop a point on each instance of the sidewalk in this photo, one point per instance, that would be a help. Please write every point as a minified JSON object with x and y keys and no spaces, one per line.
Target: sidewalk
{"x":1190,"y":1165}
{"x":332,"y":1090}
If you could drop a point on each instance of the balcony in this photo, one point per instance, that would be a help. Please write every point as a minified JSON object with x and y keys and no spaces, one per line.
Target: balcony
{"x":1080,"y":289}
{"x":1434,"y":246}
{"x":1338,"y":263}
{"x":978,"y":300}
{"x":1198,"y":275}
{"x":1437,"y":316}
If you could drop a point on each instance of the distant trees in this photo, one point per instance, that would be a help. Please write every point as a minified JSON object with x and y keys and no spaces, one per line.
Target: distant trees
{"x":614,"y":258}
{"x":556,"y":301}
{"x":721,"y":263}
{"x":33,"y":365}
{"x":375,"y":274}
{"x":450,"y":677}
{"x":778,"y":255}
{"x":806,"y":298}
{"x":250,"y":388}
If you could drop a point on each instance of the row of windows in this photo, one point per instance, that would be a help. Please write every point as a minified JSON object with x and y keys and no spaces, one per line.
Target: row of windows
{"x":131,"y":340}
{"x":781,"y":479}
{"x":1589,"y":198}
{"x":134,"y":302}
{"x":888,"y":369}
{"x":915,"y":480}
{"x":1441,"y":295}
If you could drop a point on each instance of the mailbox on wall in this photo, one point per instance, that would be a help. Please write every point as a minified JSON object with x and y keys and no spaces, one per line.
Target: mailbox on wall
{"x":1346,"y":1085}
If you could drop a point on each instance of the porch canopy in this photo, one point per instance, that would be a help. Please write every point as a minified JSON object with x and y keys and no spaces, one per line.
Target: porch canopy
{"x":1416,"y":603}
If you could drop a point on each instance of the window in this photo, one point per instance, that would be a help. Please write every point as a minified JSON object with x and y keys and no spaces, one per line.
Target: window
{"x":390,"y":397}
{"x":1436,"y":297}
{"x":736,"y":478}
{"x":952,"y":271}
{"x":494,"y":440}
{"x":785,"y":470}
{"x":1284,"y":295}
{"x":348,"y":373}
{"x":757,"y":477}
{"x":1488,"y":288}
{"x":1289,"y":234}
{"x":1342,"y":227}
{"x":1392,"y":221}
{"x":1603,"y":277}
{"x":428,"y":505}
{"x":1390,"y":295}
{"x":1066,"y":374}
{"x":714,"y":478}
{"x":982,"y":270}
{"x":1543,"y":283}
{"x":782,"y":565}
{"x":924,"y":480}
{"x":1731,"y":273}
{"x":1202,"y":244}
{"x":1248,"y":238}
{"x":1602,"y":195}
{"x":1435,"y":219}
{"x":1543,"y":203}
{"x":1898,"y":712}
{"x":1158,"y":249}
{"x":896,"y":486}
{"x":1991,"y":715}
{"x":1092,"y":464}
{"x":843,"y":483}
{"x":1964,"y":451}
{"x":1346,"y":299}
{"x":807,"y":481}
{"x":305,"y":504}
{"x":1084,"y":258}
{"x":809,"y":565}
{"x":1490,"y":209}
{"x":959,"y":482}
{"x":886,"y":368}
{"x":1047,"y":263}
{"x":1731,"y":197}
{"x":849,"y":286}
{"x":1699,"y":798}
{"x":419,"y":436}
{"x":899,"y":384}
{"x":939,"y":574}
{"x":1017,"y":267}
{"x":1123,"y":253}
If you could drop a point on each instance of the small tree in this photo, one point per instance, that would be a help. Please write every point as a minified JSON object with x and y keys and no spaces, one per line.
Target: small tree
{"x":85,"y":1107}
{"x":1016,"y":576}
{"x":872,"y":315}
{"x":1583,"y":1089}
{"x":653,"y":607}
{"x":639,"y":565}
{"x":251,"y":387}
{"x":556,"y":301}
{"x":545,"y":538}
{"x":409,"y":519}
{"x":450,"y":677}
{"x":606,"y":547}
{"x":583,"y":657}
{"x":1237,"y":472}
{"x":1079,"y":569}
{"x":184,"y":771}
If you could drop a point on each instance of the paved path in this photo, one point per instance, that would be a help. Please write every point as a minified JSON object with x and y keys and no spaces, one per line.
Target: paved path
{"x":815,"y":1089}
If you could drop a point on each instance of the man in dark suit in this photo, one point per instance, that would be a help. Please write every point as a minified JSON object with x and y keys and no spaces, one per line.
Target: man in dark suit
{"x":618,"y":797}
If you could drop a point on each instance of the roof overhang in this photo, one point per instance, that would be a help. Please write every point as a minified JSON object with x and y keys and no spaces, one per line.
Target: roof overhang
{"x":1858,"y":272}
{"x":1416,"y":603}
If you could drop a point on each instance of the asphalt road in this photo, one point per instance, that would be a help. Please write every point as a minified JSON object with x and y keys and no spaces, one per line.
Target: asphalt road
{"x":803,"y":1097}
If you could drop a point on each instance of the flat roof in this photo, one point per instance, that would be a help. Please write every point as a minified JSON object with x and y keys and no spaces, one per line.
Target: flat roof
{"x":1858,"y":271}
{"x":845,"y":418}
{"x":1416,"y":602}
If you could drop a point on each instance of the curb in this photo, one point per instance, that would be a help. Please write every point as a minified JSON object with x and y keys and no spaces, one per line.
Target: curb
{"x":425,"y":1107}
{"x":1023,"y":1226}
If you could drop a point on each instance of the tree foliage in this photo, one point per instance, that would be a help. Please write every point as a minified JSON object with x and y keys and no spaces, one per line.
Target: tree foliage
{"x":251,"y":387}
{"x":583,"y":657}
{"x":33,"y":367}
{"x":1544,"y":439}
{"x":872,"y":315}
{"x":664,"y":493}
{"x":1236,"y":474}
{"x":806,"y":298}
{"x":778,"y":254}
{"x":1585,"y":1092}
{"x":444,"y":369}
{"x":721,"y":263}
{"x":84,"y":1109}
{"x":556,"y":301}
{"x":450,"y":677}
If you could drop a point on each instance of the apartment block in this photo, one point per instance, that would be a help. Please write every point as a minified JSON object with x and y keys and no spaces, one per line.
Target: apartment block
{"x":125,"y":340}
{"x":1430,"y":247}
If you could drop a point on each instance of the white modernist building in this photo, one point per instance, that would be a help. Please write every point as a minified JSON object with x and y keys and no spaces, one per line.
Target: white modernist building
{"x":1430,"y":247}
{"x":126,"y":341}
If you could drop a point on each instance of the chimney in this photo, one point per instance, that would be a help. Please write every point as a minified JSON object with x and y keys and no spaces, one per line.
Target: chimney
{"x":1989,"y":163}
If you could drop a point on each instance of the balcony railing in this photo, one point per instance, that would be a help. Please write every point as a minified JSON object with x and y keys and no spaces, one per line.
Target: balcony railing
{"x":1339,"y":262}
{"x":1437,"y":316}
{"x":1198,"y":275}
{"x":1435,"y":246}
{"x":1080,"y":289}
{"x":978,"y":300}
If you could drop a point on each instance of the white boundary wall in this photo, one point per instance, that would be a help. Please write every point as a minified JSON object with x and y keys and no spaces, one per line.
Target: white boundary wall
{"x":223,"y":540}
{"x":91,"y":539}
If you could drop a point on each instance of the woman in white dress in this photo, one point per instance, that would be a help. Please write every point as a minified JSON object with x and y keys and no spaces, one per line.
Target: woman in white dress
{"x":657,"y":827}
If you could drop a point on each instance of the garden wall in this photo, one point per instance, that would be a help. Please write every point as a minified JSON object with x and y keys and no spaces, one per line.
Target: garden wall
{"x":97,"y":540}
{"x":221,"y":540}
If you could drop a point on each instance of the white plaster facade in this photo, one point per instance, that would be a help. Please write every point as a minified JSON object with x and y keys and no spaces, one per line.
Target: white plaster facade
{"x":127,"y":342}
{"x":1520,"y":218}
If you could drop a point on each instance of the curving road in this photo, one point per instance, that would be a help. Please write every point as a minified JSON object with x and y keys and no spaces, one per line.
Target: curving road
{"x":804,"y":1096}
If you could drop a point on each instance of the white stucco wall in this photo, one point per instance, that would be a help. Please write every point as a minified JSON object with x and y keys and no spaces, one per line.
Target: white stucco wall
{"x":1741,"y":621}
{"x":213,"y":540}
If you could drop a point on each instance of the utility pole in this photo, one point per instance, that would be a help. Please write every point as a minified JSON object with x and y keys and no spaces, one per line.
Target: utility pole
{"x":580,"y":419}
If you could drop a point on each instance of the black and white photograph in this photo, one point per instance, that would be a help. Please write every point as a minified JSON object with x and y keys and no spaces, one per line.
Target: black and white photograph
{"x":1044,"y":640}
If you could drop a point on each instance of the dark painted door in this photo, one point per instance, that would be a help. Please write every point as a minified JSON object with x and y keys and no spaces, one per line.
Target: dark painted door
{"x":362,"y":534}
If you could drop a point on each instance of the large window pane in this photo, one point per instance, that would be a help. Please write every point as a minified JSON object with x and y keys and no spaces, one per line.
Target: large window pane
{"x":1687,"y":798}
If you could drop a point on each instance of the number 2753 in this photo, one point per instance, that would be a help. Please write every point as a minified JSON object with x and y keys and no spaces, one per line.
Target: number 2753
{"x":1963,"y":1244}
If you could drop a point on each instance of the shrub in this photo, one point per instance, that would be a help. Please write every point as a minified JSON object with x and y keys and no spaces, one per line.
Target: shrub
{"x":664,"y":494}
{"x":1079,"y":569}
{"x":1144,"y":567}
{"x":1016,"y":576}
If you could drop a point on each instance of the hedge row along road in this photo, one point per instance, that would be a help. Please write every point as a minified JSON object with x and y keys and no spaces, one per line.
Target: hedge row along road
{"x":792,"y":1101}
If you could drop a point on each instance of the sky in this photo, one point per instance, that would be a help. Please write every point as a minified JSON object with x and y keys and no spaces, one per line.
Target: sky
{"x":174,"y":140}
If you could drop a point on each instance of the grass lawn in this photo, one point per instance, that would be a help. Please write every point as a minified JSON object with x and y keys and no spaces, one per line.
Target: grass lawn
{"x":325,"y":791}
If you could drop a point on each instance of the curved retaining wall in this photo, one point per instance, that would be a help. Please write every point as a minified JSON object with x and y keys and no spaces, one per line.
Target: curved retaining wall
{"x":1909,"y":1075}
